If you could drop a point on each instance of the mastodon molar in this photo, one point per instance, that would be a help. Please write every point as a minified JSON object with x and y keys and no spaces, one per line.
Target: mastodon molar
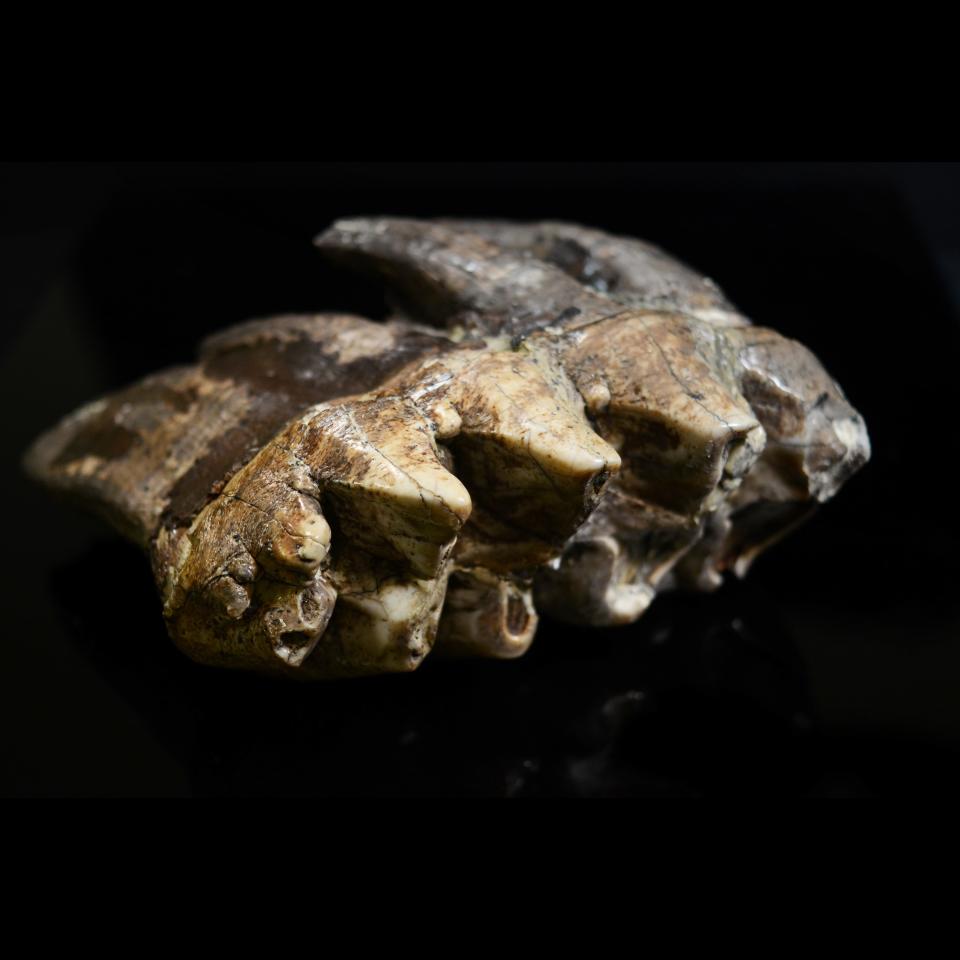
{"x":555,"y":418}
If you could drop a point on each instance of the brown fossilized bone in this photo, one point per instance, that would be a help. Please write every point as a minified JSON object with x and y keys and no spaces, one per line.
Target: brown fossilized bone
{"x":555,"y":419}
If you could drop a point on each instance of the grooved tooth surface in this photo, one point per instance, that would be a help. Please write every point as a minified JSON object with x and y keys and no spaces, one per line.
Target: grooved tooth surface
{"x":377,"y":462}
{"x":673,"y":420}
{"x":524,"y":448}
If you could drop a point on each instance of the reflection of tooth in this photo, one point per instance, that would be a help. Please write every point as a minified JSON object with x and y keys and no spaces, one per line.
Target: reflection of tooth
{"x":596,"y":583}
{"x":612,"y":566}
{"x":487,"y":616}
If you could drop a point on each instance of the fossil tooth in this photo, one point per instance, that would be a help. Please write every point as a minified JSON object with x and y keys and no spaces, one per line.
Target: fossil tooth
{"x":377,"y":463}
{"x":485,"y":615}
{"x":588,"y":422}
{"x":686,"y":439}
{"x":815,"y":442}
{"x":522,"y":445}
{"x":629,"y":271}
{"x":382,"y":623}
{"x":441,"y":274}
{"x":673,"y":421}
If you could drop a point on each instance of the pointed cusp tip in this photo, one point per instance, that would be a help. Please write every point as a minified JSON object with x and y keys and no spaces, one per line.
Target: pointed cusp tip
{"x":456,"y":498}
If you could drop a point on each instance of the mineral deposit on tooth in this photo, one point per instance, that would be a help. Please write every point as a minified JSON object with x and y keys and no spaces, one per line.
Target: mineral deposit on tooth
{"x":553,"y":419}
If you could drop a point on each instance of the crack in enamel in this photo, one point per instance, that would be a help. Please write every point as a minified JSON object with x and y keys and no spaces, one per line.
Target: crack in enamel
{"x":558,"y":419}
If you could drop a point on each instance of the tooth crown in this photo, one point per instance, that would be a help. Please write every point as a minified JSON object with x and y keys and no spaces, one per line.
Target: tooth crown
{"x":560,"y":420}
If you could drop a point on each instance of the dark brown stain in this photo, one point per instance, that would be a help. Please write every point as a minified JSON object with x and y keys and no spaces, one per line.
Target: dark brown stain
{"x":103,"y":437}
{"x":204,"y":480}
{"x":305,"y":372}
{"x":99,"y":438}
{"x":285,"y":378}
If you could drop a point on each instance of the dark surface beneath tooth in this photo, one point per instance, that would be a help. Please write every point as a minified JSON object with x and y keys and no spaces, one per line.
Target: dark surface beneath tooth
{"x":833,"y":670}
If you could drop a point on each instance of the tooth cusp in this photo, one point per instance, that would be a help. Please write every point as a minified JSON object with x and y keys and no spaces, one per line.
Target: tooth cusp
{"x":591,"y":423}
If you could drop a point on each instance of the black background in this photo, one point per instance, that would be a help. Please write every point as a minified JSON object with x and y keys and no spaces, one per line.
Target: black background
{"x":833,"y":670}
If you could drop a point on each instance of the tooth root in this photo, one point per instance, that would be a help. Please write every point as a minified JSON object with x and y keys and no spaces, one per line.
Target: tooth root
{"x":441,"y":272}
{"x":486,"y":616}
{"x":528,"y":454}
{"x":680,"y":430}
{"x":631,"y":271}
{"x":381,"y":624}
{"x":377,"y":462}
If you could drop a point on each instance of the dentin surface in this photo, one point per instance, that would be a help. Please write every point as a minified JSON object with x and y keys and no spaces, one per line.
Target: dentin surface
{"x":588,"y":421}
